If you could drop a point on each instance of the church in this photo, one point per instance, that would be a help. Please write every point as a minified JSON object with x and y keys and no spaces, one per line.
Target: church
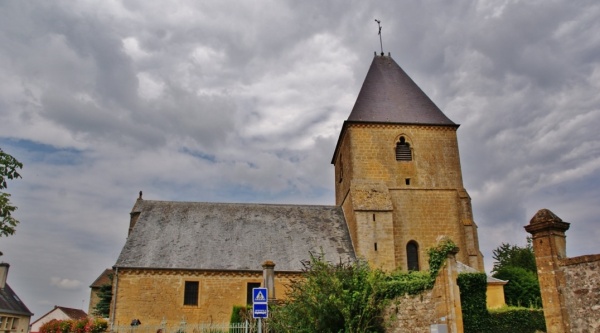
{"x":398,"y":188}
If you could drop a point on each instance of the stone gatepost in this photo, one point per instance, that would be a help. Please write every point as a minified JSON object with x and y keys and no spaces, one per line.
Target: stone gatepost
{"x":269,"y":278}
{"x":549,"y":246}
{"x":447,"y":293}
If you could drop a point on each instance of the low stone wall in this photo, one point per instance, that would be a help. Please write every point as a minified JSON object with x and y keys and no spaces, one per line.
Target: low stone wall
{"x":582,"y":292}
{"x":441,"y":305}
{"x":411,"y":314}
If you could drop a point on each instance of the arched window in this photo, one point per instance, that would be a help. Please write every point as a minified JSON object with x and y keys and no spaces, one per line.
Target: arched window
{"x":412,"y":255}
{"x":403,"y":152}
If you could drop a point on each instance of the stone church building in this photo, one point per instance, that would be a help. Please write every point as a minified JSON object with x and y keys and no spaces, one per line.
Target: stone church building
{"x":398,"y":188}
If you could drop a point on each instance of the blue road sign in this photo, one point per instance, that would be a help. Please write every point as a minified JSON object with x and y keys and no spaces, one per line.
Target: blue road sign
{"x":260,"y":298}
{"x":260,"y":310}
{"x":260,"y":295}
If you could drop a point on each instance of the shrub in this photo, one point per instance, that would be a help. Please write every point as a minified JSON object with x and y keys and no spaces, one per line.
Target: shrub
{"x":401,"y":283}
{"x":517,"y":320}
{"x":53,"y":326}
{"x":238,"y":314}
{"x":342,"y":297}
{"x":75,"y":326}
{"x":522,"y":289}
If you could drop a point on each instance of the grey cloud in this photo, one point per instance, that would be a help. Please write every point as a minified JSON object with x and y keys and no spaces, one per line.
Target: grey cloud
{"x":213,"y":101}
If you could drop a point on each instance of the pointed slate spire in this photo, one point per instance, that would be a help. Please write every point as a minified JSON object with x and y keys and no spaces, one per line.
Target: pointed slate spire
{"x":389,"y":95}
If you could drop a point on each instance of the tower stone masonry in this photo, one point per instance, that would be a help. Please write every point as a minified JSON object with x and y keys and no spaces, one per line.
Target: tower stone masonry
{"x":398,"y":176}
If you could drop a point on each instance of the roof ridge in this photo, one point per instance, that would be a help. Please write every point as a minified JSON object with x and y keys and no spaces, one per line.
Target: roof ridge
{"x":240,"y":203}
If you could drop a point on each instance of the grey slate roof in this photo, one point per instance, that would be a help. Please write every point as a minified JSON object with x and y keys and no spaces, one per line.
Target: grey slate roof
{"x":223,"y":236}
{"x":462,"y":268}
{"x":10,"y":303}
{"x":389,"y":95}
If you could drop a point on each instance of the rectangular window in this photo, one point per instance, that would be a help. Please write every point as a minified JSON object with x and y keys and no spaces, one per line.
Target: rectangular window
{"x":190,"y":296}
{"x":6,"y":323}
{"x":250,"y":286}
{"x":15,"y":323}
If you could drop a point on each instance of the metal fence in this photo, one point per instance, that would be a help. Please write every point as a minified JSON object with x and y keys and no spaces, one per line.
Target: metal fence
{"x":247,"y":327}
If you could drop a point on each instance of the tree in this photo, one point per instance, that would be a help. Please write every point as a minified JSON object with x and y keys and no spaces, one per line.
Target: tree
{"x":8,"y":171}
{"x":332,"y":298}
{"x":102,"y":308}
{"x":517,"y":265}
{"x":522,"y":289}
{"x":507,"y":255}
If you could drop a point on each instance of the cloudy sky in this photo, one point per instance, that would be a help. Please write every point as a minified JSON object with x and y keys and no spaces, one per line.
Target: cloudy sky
{"x":243,"y":101}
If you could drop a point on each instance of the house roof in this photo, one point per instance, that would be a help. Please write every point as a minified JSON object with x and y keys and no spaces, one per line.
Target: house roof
{"x":69,"y":312}
{"x":72,"y":313}
{"x":10,"y":303}
{"x":462,"y":268}
{"x":103,"y":279}
{"x":226,"y":236}
{"x":389,"y":95}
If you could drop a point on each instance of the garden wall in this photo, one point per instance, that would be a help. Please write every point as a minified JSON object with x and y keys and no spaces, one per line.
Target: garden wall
{"x":570,"y":286}
{"x":441,"y":305}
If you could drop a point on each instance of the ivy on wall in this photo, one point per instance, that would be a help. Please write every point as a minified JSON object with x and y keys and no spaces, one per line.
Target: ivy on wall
{"x":478,"y":319}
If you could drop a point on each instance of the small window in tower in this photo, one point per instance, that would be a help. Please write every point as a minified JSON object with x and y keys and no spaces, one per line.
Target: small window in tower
{"x":375,"y":245}
{"x":190,"y":296}
{"x":412,"y":255}
{"x":407,"y":181}
{"x":403,"y":152}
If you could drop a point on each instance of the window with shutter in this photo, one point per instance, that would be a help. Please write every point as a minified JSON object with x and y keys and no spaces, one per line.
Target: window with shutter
{"x":403,"y":152}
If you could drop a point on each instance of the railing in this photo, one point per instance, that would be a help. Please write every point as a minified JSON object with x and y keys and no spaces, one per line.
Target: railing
{"x":189,"y":328}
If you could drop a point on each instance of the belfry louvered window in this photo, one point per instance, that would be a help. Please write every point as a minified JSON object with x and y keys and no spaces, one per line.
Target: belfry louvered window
{"x":412,"y":256}
{"x":403,"y":152}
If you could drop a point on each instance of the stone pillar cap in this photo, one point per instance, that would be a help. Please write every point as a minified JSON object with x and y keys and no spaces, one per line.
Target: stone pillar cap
{"x":268,"y":263}
{"x":544,"y":215}
{"x":544,"y":219}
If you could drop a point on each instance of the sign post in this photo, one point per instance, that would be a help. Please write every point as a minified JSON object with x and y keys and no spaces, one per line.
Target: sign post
{"x":260,"y":305}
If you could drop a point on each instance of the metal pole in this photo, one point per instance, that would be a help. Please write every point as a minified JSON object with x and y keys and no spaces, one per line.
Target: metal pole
{"x":259,"y":325}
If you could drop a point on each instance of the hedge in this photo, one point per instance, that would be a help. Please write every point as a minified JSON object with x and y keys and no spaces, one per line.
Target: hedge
{"x":86,"y":325}
{"x":478,"y":319}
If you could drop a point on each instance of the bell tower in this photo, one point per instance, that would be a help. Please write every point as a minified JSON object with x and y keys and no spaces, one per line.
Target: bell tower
{"x":398,"y":177}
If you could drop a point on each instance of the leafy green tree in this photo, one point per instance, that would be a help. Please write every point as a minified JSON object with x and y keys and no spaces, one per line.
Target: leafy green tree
{"x":517,"y":265}
{"x":332,"y":298}
{"x":102,"y":308}
{"x":507,"y":255}
{"x":522,"y":289}
{"x":8,"y":171}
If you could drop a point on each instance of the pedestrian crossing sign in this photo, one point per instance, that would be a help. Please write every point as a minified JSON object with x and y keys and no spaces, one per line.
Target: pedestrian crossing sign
{"x":260,"y":295}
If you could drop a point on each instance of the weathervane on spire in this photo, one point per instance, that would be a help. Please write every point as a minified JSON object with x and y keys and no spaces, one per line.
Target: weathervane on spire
{"x":380,"y":42}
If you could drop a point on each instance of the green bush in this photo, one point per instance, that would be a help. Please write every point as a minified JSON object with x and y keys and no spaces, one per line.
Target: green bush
{"x":516,"y":320}
{"x":238,"y":314}
{"x":85,"y":325}
{"x":332,"y":298}
{"x":522,"y":289}
{"x":402,"y":283}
